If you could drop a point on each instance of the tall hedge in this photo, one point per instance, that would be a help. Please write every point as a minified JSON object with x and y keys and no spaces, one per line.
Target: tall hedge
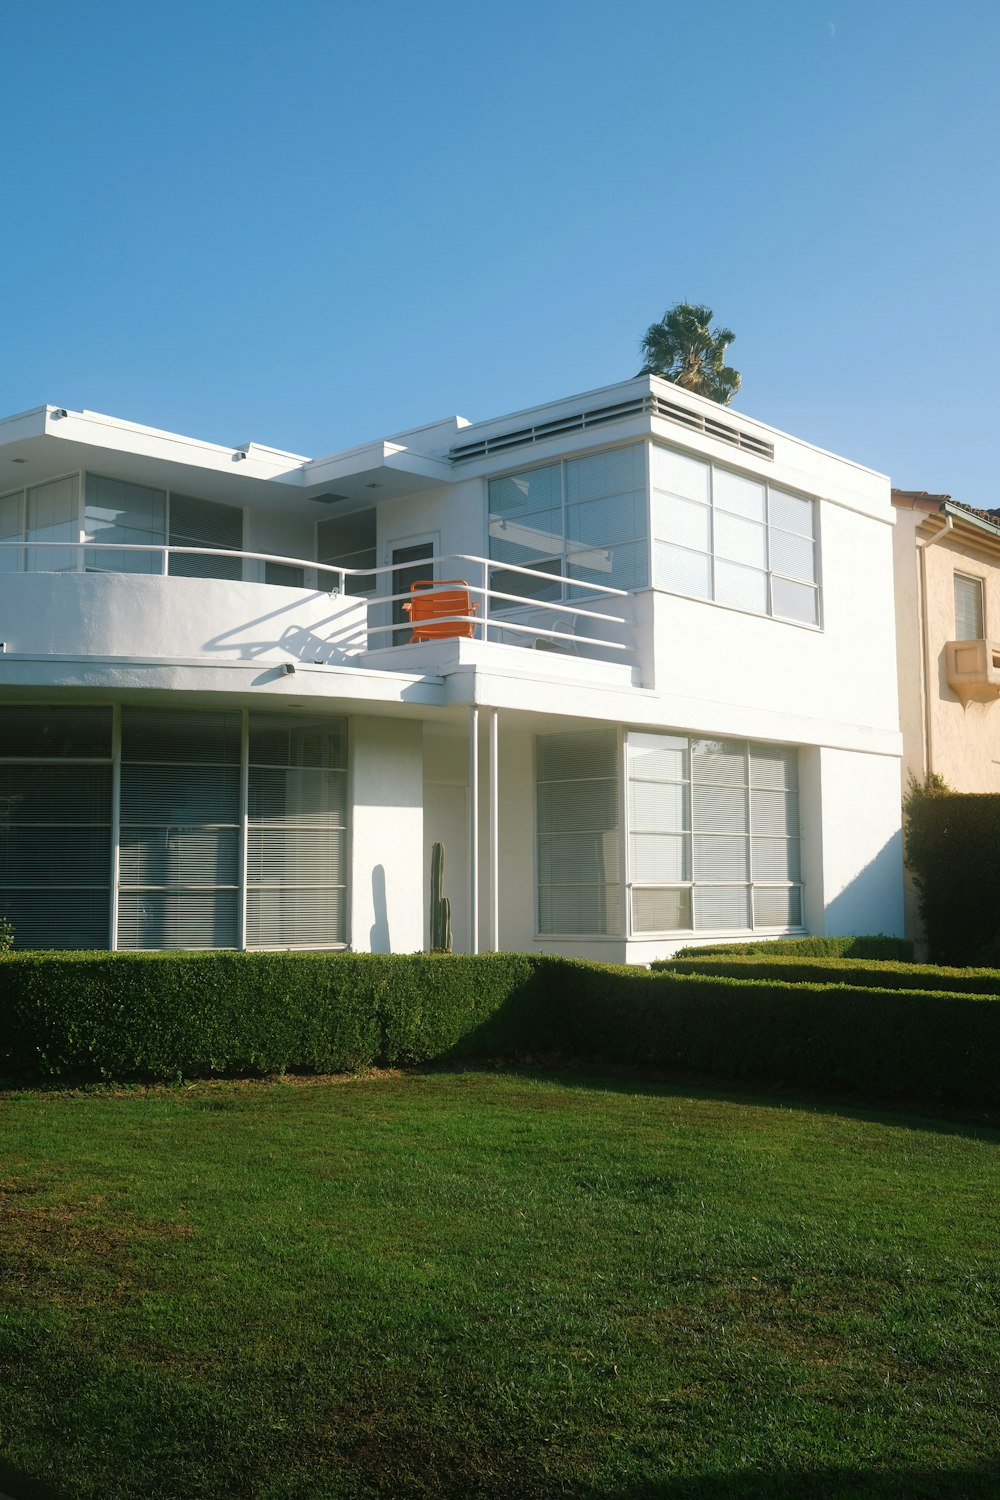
{"x":953,"y":850}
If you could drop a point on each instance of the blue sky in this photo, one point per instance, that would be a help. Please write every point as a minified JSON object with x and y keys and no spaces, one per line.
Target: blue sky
{"x":314,"y":223}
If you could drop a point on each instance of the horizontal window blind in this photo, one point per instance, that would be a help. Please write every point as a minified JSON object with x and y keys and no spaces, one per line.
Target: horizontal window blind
{"x":578,"y":832}
{"x":180,"y":829}
{"x":297,"y":832}
{"x":55,"y":835}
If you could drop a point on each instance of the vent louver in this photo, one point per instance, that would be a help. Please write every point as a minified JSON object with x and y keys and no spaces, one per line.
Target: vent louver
{"x":598,"y":416}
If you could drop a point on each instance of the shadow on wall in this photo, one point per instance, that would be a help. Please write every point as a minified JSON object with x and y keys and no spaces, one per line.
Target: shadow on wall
{"x":378,"y":936}
{"x":345,"y":633}
{"x":873,"y":901}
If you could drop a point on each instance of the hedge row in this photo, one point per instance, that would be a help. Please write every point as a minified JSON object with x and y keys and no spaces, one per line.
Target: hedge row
{"x":860,"y":973}
{"x":168,"y":1015}
{"x":165,"y":1016}
{"x":933,"y":1047}
{"x":878,"y":946}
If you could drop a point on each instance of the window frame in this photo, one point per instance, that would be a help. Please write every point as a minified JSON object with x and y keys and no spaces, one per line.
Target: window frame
{"x":570,"y":589}
{"x":768,"y":525}
{"x":693,"y":884}
{"x":980,"y":585}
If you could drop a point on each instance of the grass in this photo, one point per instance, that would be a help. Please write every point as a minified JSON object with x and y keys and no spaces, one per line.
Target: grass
{"x":493,"y":1285}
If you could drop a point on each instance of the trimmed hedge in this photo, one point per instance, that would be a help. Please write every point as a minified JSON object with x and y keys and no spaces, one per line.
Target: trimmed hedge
{"x":169,"y":1015}
{"x":927,"y":1046}
{"x":856,"y":972}
{"x":879,"y":946}
{"x":951,"y":846}
{"x":162,"y":1016}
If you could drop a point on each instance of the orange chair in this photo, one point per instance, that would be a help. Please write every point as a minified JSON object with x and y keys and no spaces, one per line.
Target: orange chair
{"x":433,"y":606}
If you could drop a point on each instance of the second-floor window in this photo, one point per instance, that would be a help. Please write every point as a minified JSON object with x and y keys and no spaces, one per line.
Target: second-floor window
{"x":116,"y":514}
{"x":969,"y":620}
{"x":583,"y":519}
{"x":349,"y":542}
{"x":722,"y":536}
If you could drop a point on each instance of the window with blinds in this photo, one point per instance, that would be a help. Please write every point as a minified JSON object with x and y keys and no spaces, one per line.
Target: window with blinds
{"x":296,"y":832}
{"x":722,"y":536}
{"x":205,"y":523}
{"x":969,"y":614}
{"x":579,"y":844}
{"x":55,"y":825}
{"x":713,"y":835}
{"x":179,"y":837}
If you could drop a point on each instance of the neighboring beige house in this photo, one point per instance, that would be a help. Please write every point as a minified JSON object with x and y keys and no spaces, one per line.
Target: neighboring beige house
{"x":947,"y":577}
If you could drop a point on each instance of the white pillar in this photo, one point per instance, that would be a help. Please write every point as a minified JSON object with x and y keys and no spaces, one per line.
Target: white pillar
{"x":474,"y":830}
{"x":494,"y":831}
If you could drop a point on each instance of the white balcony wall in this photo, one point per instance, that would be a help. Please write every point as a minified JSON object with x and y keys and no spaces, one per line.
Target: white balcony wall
{"x":138,"y":615}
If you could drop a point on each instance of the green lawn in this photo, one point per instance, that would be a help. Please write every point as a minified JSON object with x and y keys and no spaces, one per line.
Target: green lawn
{"x":494,"y":1285}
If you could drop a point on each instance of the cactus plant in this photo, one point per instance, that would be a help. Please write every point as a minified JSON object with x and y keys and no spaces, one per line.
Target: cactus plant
{"x":440,"y":905}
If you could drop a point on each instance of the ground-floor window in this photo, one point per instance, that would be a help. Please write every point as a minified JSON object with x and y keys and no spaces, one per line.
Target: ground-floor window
{"x":165,"y":828}
{"x":713,"y":834}
{"x":705,"y":838}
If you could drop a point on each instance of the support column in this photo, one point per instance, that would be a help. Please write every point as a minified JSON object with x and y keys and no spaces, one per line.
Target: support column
{"x":494,"y":831}
{"x":474,"y":830}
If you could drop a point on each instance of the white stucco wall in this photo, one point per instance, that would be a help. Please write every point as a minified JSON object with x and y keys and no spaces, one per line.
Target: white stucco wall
{"x":852,"y":843}
{"x":724,"y":671}
{"x":387,"y":887}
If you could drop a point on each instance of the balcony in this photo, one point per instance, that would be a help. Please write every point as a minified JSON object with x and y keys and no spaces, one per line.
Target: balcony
{"x":91,"y":605}
{"x":973,"y":669}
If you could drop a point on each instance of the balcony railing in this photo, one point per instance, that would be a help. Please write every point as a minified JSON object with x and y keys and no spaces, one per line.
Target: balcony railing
{"x":572,"y":621}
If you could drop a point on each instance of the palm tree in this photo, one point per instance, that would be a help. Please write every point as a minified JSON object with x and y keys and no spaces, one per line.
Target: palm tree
{"x":681,"y":347}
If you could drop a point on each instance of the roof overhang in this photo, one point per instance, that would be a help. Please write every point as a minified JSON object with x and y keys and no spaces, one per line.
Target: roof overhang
{"x":51,"y":441}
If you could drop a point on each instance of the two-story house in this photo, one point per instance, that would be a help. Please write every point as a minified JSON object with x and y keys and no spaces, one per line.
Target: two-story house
{"x":655,"y":703}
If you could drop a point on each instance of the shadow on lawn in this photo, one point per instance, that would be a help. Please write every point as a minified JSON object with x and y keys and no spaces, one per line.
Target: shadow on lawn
{"x":19,"y":1486}
{"x":611,"y":1078}
{"x":819,"y":1484}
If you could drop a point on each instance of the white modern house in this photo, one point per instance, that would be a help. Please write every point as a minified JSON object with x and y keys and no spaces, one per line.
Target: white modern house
{"x":652,"y":700}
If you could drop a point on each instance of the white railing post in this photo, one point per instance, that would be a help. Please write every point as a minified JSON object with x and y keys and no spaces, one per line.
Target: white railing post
{"x":486,"y":600}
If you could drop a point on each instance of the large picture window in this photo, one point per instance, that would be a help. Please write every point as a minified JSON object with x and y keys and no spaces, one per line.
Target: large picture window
{"x":583,"y":519}
{"x":187,"y":784}
{"x":713,"y":835}
{"x":738,"y":541}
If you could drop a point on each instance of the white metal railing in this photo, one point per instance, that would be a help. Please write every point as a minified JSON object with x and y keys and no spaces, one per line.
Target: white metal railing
{"x":499,"y":614}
